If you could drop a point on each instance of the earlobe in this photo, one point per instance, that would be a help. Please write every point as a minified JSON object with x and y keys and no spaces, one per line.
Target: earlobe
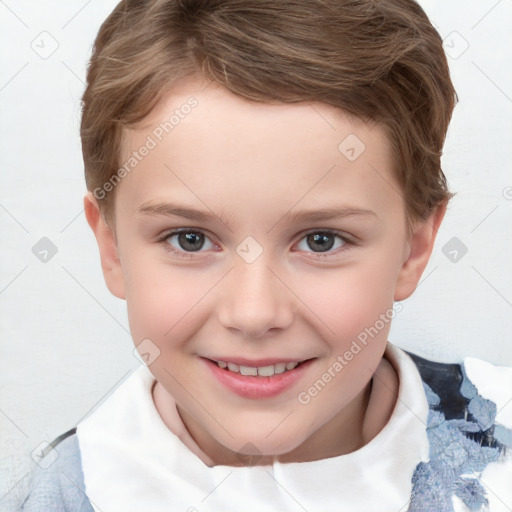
{"x":110,"y":262}
{"x":420,"y":245}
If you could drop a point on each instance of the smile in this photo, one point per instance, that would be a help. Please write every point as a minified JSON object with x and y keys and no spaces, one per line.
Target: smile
{"x":258,"y":379}
{"x":261,"y":371}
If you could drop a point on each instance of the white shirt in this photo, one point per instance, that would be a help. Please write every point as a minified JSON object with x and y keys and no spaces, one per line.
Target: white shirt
{"x":133,"y":462}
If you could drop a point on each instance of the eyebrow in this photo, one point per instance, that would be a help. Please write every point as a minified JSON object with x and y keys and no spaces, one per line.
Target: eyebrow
{"x":176,"y":210}
{"x":327,"y":214}
{"x":321,"y":214}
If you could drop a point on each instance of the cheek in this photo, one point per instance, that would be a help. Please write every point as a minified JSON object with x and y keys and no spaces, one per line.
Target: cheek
{"x":162,"y":302}
{"x":346,"y":301}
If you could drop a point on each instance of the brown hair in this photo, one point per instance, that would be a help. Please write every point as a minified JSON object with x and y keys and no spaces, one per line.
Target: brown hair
{"x":381,"y":61}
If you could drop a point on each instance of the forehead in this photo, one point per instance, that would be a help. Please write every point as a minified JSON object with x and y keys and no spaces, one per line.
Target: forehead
{"x":210,"y":146}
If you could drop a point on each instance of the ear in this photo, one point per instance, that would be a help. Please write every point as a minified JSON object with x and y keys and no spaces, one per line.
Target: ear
{"x":110,"y":263}
{"x":421,"y":244}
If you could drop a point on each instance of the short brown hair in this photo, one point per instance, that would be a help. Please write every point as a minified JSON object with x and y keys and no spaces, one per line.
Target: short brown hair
{"x":381,"y":61}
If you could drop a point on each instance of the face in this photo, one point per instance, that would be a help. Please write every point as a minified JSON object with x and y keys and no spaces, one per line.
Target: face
{"x":258,"y":235}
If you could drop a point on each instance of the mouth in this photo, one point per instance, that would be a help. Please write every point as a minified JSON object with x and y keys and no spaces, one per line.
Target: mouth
{"x":262,"y":379}
{"x":259,"y":369}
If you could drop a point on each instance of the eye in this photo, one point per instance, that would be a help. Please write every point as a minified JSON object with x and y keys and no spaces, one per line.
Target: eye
{"x":186,"y":241}
{"x":322,"y":242}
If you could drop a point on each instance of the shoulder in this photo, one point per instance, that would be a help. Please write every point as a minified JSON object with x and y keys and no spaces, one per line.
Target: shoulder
{"x":57,"y":482}
{"x":444,"y":380}
{"x":469,"y":389}
{"x":470,"y":436}
{"x":492,"y":383}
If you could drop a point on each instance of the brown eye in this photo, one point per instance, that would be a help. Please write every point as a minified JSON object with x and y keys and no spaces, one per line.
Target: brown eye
{"x":321,"y":242}
{"x":191,"y":241}
{"x":187,"y":241}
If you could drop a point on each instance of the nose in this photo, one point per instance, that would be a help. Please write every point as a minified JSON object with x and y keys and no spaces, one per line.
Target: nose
{"x":254,"y":300}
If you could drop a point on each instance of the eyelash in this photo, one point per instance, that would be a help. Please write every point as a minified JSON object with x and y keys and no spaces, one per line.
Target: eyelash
{"x":347,"y":243}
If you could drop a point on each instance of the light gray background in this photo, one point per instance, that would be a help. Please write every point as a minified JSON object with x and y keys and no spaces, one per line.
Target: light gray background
{"x":65,"y":343}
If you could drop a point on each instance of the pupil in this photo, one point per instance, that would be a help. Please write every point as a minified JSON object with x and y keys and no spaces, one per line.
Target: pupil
{"x":191,"y":241}
{"x":324,"y":241}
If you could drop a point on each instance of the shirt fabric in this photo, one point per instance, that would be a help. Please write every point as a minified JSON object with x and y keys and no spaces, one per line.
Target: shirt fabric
{"x":444,"y":448}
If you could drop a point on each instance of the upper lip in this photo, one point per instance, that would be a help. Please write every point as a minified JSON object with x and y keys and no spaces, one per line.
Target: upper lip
{"x":242,"y":361}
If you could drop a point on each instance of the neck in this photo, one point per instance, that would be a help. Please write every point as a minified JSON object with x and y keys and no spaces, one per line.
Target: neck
{"x":349,"y":430}
{"x":346,"y":429}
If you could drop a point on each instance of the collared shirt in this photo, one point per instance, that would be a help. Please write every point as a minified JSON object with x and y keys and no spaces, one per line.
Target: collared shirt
{"x":443,"y":448}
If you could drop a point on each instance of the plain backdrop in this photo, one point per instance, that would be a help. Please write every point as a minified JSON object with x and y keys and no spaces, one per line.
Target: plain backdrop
{"x":65,"y":342}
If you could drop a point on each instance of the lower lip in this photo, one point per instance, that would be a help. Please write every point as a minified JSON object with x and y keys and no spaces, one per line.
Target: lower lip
{"x":249,"y":386}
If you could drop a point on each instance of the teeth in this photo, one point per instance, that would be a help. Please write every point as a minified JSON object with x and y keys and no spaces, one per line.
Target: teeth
{"x":266,"y":371}
{"x":247,"y":370}
{"x":280,"y":368}
{"x":262,"y":371}
{"x":233,"y":367}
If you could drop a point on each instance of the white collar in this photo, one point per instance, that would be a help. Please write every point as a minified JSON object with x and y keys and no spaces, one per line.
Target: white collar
{"x":132,"y":462}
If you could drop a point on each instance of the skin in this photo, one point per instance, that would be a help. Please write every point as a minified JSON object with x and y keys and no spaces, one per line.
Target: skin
{"x":251,"y":164}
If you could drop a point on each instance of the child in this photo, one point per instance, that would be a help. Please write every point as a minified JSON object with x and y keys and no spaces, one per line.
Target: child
{"x":265,"y":188}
